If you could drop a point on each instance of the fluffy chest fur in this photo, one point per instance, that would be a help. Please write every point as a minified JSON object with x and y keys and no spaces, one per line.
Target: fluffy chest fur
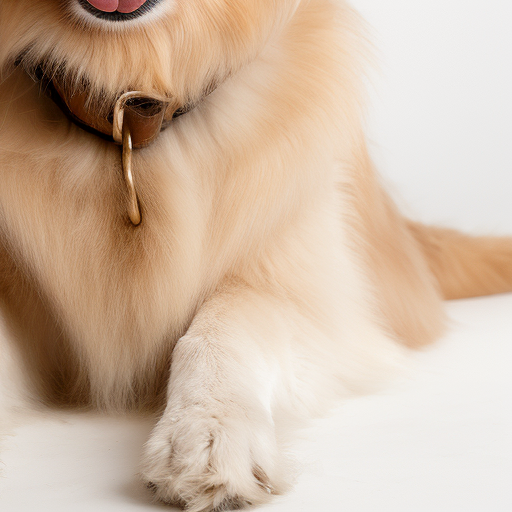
{"x":219,"y":191}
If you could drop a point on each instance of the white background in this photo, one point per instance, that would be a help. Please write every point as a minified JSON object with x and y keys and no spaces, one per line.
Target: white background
{"x":441,"y":117}
{"x":441,"y":132}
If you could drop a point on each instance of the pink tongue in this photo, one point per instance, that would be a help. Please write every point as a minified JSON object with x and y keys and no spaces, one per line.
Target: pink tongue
{"x":117,"y":5}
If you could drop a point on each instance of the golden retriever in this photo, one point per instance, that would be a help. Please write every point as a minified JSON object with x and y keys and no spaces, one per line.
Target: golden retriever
{"x":253,"y":272}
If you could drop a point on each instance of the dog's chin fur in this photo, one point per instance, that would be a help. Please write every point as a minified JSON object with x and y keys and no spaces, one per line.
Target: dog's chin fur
{"x":177,"y":51}
{"x":271,"y":274}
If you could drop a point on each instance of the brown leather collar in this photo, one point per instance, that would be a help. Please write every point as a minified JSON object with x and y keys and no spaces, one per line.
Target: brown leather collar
{"x":144,"y":114}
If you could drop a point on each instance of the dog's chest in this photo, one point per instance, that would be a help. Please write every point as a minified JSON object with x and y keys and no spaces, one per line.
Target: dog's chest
{"x":63,"y":211}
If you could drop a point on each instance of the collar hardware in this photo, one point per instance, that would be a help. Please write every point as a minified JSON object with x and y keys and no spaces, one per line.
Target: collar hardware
{"x":136,"y":121}
{"x":133,"y":200}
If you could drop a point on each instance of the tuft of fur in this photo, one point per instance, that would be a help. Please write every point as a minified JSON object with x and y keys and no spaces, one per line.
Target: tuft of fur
{"x":271,"y":274}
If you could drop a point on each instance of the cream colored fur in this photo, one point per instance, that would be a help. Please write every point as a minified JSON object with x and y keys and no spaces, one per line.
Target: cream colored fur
{"x":271,"y":274}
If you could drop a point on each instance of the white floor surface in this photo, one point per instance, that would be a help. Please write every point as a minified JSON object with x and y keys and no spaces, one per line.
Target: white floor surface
{"x":438,"y":440}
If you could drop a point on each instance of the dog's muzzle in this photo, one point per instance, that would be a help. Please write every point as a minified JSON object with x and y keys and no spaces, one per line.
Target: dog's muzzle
{"x":118,"y":10}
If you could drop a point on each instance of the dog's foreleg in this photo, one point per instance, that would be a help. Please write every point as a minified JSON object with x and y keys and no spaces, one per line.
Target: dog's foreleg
{"x":215,"y":446}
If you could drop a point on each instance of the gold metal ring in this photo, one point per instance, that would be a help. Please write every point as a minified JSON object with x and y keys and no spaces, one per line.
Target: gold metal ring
{"x":133,"y":202}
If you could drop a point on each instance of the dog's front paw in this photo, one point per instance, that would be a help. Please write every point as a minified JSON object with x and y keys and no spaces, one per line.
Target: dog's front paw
{"x":202,"y":461}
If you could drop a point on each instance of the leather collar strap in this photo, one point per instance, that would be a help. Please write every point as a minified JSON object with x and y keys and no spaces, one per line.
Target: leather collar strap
{"x":146,"y":115}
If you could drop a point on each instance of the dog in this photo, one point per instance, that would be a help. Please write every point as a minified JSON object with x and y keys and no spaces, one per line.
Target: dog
{"x":190,"y":222}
